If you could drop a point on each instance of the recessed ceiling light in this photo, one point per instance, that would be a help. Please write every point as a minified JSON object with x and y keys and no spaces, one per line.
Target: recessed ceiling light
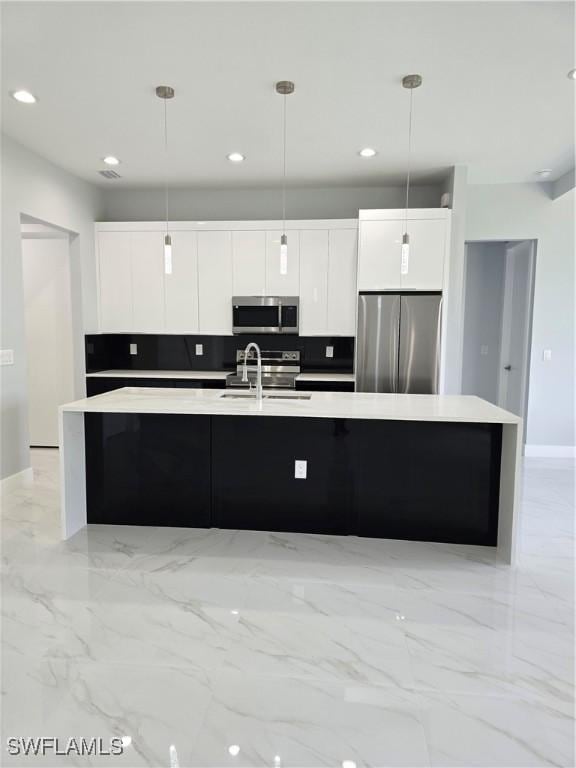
{"x":572,"y":74}
{"x":544,"y":173}
{"x":236,"y":157}
{"x":367,"y":152}
{"x":111,"y":160}
{"x":24,"y":96}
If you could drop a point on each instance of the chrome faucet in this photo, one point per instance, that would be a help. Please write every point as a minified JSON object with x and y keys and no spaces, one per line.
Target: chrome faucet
{"x":249,"y":346}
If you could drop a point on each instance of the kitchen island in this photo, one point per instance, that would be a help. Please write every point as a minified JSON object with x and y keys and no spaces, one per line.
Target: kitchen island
{"x":420,"y":467}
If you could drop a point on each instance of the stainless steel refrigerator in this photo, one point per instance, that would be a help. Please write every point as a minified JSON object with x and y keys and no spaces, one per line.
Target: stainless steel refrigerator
{"x":398,"y":342}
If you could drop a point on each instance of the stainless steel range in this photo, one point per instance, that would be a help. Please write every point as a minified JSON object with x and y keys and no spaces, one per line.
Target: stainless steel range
{"x":279,"y":369}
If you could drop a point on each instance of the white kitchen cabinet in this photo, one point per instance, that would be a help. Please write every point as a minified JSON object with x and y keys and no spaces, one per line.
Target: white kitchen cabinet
{"x":115,"y":281}
{"x":278,"y":284}
{"x":181,"y":286}
{"x":379,"y":255}
{"x":249,"y":263}
{"x":380,"y":250}
{"x":341,"y":310}
{"x":147,"y":259}
{"x":426,"y":255}
{"x":215,"y":282}
{"x":314,"y":258}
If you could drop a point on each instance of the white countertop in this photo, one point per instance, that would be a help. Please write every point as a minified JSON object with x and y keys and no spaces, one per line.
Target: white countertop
{"x":125,"y":374}
{"x":340,"y":405}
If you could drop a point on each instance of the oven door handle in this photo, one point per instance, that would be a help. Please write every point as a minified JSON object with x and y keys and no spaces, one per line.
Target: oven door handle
{"x":279,"y":317}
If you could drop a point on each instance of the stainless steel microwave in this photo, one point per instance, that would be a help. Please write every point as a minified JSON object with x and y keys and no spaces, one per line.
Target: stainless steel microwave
{"x":265,"y":314}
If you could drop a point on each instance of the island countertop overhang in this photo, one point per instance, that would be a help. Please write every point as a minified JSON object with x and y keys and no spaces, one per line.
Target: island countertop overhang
{"x":334,"y":405}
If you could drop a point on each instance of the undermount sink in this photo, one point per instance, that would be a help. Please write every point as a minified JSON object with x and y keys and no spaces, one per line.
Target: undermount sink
{"x":247,"y":396}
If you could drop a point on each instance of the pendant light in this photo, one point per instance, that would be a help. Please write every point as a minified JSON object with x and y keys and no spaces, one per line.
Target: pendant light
{"x":410,"y":82}
{"x":284,"y":88}
{"x":165,"y":92}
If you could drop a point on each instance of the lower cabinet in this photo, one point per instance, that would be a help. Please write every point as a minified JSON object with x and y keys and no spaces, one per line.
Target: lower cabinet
{"x":428,"y":481}
{"x":97,"y":385}
{"x":253,"y":468}
{"x":424,"y":481}
{"x":151,"y":469}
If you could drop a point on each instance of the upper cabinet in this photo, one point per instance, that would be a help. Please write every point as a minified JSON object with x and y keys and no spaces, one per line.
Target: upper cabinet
{"x":215,"y":282}
{"x":115,"y":281}
{"x":343,"y":254}
{"x":314,"y":260}
{"x":210,"y":266}
{"x":181,"y":286}
{"x":147,"y":250}
{"x":279,"y":282}
{"x":249,"y":263}
{"x":380,"y":249}
{"x":328,"y":282}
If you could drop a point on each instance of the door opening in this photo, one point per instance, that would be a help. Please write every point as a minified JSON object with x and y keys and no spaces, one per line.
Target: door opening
{"x":49,"y":327}
{"x":499,"y":293}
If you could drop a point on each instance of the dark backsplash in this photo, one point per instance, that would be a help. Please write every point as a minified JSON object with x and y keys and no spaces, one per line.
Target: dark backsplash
{"x":177,"y":353}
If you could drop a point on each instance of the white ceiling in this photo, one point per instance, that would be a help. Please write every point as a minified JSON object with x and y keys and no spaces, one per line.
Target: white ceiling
{"x":495,"y":95}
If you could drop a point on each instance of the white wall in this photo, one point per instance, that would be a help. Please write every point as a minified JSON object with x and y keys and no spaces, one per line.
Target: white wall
{"x":484,"y":295}
{"x":526,"y":211}
{"x":49,"y":340}
{"x":125,"y":204}
{"x":35,"y":187}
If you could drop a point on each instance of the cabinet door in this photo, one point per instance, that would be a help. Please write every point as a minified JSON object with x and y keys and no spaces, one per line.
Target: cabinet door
{"x":426,"y":260}
{"x":313,"y":282}
{"x":148,"y":469}
{"x":343,"y":246}
{"x":379,"y":255}
{"x":276,"y":500}
{"x":278,"y":284}
{"x":249,"y":263}
{"x":115,"y":277}
{"x":215,"y":282}
{"x":181,"y":287}
{"x":148,"y":281}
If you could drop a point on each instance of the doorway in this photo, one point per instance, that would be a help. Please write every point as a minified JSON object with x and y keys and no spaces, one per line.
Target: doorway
{"x":49,"y":327}
{"x":498,"y":302}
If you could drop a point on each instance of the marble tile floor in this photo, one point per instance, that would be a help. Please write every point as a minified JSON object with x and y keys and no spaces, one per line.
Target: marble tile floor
{"x":224,"y":648}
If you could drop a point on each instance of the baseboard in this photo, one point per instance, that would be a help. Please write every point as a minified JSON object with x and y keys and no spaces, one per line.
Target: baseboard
{"x":551,"y":451}
{"x":22,"y":479}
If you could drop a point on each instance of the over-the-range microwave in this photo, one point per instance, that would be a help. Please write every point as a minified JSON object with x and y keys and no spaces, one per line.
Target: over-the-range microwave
{"x":265,"y":314}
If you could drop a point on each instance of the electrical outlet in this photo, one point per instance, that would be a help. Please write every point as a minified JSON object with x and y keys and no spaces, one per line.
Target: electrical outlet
{"x":199,"y":349}
{"x":329,"y":351}
{"x":300,"y":469}
{"x":6,"y":357}
{"x":133,"y":349}
{"x":547,"y":355}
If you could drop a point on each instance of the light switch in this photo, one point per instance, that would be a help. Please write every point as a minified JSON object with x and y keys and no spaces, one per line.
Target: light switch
{"x":133,"y":349}
{"x":199,"y":349}
{"x":300,"y":469}
{"x":329,"y":351}
{"x":547,"y":355}
{"x":484,"y":349}
{"x":6,"y":357}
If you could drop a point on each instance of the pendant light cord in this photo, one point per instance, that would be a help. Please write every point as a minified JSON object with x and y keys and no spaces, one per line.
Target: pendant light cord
{"x":409,"y":162}
{"x":284,"y":166}
{"x":166,"y":162}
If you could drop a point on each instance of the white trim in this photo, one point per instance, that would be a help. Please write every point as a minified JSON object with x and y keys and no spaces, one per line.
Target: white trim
{"x":393,"y":214}
{"x":23,"y":479}
{"x":551,"y":451}
{"x":232,"y":226}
